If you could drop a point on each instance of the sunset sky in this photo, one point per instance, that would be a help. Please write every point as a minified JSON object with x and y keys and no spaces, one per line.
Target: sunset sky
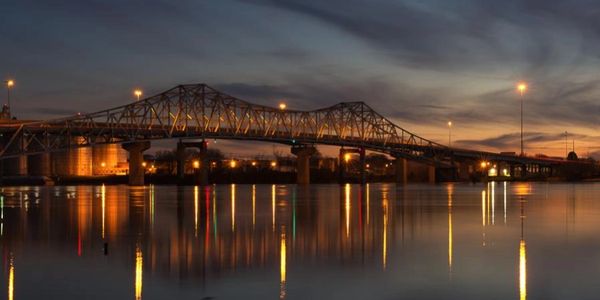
{"x":420,"y":63}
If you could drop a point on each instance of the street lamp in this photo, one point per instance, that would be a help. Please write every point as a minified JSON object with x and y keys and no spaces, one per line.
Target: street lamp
{"x":137,"y":93}
{"x":282,"y":106}
{"x":566,"y":144}
{"x":347,"y":157}
{"x":449,"y":133}
{"x":522,"y":87}
{"x":9,"y":84}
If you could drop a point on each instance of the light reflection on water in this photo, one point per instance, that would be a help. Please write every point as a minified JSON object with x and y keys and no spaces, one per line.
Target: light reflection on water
{"x":297,"y":242}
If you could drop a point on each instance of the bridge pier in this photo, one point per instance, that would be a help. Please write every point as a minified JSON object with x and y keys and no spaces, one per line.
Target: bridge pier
{"x":136,"y":158}
{"x":363,"y":166}
{"x":39,"y":164}
{"x":303,"y":154}
{"x":431,"y":174}
{"x":200,"y":170}
{"x":16,"y":166}
{"x":464,"y":170}
{"x":401,"y":166}
{"x":343,"y":164}
{"x":180,"y":153}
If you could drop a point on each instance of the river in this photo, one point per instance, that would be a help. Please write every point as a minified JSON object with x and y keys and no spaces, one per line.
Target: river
{"x":379,"y":241}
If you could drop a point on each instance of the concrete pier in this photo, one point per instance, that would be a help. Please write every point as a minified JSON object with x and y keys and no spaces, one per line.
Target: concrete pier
{"x":16,"y":166}
{"x":201,"y":169}
{"x":401,"y":166}
{"x":303,"y":154}
{"x":136,"y":158}
{"x":431,"y":174}
{"x":39,"y":165}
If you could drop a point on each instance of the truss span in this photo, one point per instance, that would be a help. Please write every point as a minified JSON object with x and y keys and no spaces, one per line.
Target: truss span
{"x":199,"y":111}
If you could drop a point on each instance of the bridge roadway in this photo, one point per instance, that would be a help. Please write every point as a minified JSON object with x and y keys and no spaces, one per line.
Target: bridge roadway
{"x":201,"y":112}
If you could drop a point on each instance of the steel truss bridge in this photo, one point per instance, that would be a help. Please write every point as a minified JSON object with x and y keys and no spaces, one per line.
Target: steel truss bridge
{"x":201,"y":112}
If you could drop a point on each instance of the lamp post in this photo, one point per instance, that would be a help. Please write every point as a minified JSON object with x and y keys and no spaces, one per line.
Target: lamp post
{"x":137,"y":93}
{"x":522,"y":87}
{"x":566,"y":144}
{"x":9,"y":84}
{"x":449,"y":133}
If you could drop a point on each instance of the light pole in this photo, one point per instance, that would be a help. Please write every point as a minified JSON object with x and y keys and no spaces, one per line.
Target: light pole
{"x":137,"y":93}
{"x":566,"y":144}
{"x":449,"y":133}
{"x":522,"y":87}
{"x":9,"y":84}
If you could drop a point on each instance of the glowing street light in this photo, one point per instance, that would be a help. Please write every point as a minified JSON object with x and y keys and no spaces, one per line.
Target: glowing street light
{"x":282,"y":106}
{"x":196,"y":164}
{"x":449,"y":133}
{"x":233,"y":164}
{"x":9,"y":84}
{"x":347,"y":157}
{"x":273,"y":164}
{"x":522,"y":87}
{"x":138,"y":93}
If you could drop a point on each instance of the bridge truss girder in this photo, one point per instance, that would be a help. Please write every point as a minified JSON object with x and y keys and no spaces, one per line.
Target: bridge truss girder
{"x":199,"y":111}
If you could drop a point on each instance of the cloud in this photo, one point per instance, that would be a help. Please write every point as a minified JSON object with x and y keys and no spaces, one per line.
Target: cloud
{"x":512,"y":140}
{"x":460,"y":35}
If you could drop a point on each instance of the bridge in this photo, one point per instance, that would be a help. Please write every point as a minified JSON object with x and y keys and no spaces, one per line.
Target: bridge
{"x":198,"y":112}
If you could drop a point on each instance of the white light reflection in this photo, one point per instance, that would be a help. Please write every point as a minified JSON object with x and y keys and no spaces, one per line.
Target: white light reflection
{"x":196,"y":204}
{"x":232,"y":207}
{"x":282,"y":264}
{"x":505,"y":202}
{"x":450,"y":192}
{"x":103,"y":200}
{"x":347,"y":207}
{"x":139,"y":262}
{"x":273,"y":205}
{"x":385,"y":228}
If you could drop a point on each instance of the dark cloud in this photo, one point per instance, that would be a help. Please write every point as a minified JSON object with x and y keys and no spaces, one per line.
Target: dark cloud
{"x":512,"y":140}
{"x":458,"y":34}
{"x":55,"y":111}
{"x":401,"y":103}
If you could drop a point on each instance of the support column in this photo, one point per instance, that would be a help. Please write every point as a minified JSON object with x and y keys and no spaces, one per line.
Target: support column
{"x":401,"y":166}
{"x":202,"y":177}
{"x":136,"y":158}
{"x":16,"y":166}
{"x":363,"y":166}
{"x":464,"y":171}
{"x":341,"y":166}
{"x":39,"y":164}
{"x":431,"y":174}
{"x":303,"y":154}
{"x":180,"y":152}
{"x":200,"y":167}
{"x":523,"y":171}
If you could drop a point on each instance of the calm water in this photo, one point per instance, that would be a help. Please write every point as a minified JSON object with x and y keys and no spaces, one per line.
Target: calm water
{"x":456,"y":241}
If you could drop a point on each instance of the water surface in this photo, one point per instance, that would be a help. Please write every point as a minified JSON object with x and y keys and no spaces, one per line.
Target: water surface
{"x":453,"y":241}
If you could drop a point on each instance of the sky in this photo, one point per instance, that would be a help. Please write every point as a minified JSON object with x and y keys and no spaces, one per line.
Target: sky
{"x":419,"y":63}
